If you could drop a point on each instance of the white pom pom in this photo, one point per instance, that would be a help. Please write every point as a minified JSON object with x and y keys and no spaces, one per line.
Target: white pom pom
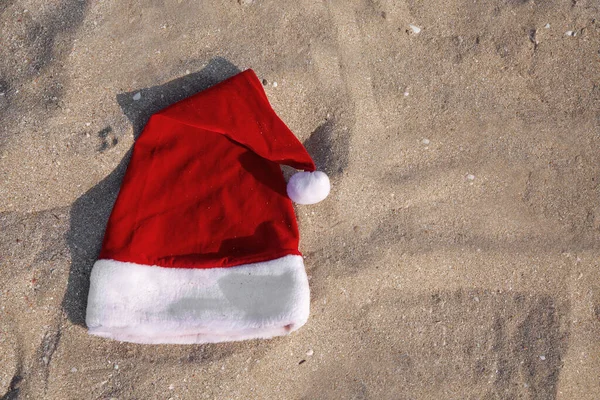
{"x":308,"y":187}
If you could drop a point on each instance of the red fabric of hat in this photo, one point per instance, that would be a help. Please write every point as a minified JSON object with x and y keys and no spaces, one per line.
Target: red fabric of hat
{"x":205,"y":188}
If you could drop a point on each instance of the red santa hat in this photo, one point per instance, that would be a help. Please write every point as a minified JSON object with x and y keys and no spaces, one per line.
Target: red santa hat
{"x":202,"y":242}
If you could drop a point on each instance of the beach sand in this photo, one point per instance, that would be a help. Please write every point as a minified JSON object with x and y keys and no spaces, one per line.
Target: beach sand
{"x":457,"y":256}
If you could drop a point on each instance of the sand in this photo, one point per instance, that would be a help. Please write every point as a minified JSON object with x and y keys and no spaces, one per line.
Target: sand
{"x":456,"y":257}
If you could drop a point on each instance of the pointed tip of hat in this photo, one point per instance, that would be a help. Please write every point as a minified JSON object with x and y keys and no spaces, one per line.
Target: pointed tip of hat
{"x":308,"y":187}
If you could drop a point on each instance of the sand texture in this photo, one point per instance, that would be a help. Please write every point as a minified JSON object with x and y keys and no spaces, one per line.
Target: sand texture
{"x":457,"y":256}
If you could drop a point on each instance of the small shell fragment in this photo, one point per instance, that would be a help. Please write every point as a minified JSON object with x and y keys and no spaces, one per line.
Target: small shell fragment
{"x":416,"y":30}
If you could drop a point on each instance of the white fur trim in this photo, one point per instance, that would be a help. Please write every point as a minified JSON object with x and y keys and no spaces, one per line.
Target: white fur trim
{"x":150,"y":304}
{"x":308,"y":187}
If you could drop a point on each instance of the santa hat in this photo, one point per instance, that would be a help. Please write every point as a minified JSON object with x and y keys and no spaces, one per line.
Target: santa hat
{"x":202,"y":242}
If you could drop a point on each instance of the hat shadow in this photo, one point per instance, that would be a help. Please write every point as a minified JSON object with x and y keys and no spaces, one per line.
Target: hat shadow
{"x":90,"y":212}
